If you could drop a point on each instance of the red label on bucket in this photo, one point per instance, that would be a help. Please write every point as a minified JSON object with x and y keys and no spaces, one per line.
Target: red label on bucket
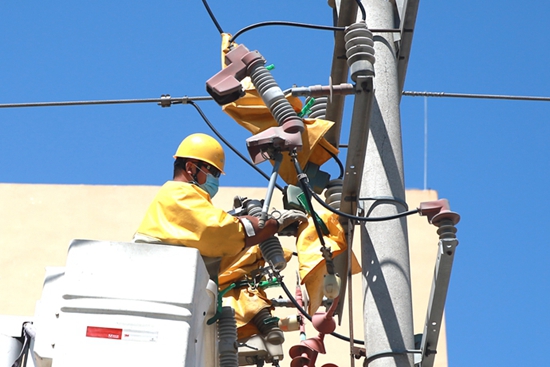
{"x":103,"y":332}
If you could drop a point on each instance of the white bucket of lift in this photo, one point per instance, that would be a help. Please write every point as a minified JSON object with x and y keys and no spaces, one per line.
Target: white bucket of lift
{"x":133,"y":304}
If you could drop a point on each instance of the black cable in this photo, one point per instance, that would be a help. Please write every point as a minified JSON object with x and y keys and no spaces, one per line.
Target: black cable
{"x":390,"y":354}
{"x":335,"y":16}
{"x":229,"y":144}
{"x":354,"y":217}
{"x":388,"y":199}
{"x":285,"y":23}
{"x":302,"y":180}
{"x":212,"y":16}
{"x":362,"y":8}
{"x":294,"y":302}
{"x":338,"y":161}
{"x":307,"y":316}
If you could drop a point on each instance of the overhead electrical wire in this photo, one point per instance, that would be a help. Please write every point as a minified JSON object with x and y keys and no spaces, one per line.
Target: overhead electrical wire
{"x":161,"y":101}
{"x":362,"y":9}
{"x":478,"y":96}
{"x":220,"y":30}
{"x":285,"y":23}
{"x":183,"y":100}
{"x":302,"y":25}
{"x":212,"y":16}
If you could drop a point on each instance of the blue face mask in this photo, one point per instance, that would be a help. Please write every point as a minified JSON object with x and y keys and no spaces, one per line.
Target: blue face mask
{"x":211,"y":185}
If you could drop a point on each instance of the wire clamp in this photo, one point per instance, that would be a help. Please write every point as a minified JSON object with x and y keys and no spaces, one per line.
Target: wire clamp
{"x":301,"y":176}
{"x":165,"y":100}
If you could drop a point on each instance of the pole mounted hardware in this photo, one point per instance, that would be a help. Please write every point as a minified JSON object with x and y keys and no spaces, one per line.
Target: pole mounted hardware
{"x":360,"y":57}
{"x":439,"y":214}
{"x":225,"y":87}
{"x":305,"y":354}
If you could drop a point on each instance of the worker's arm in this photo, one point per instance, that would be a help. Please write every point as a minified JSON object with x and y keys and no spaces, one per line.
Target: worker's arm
{"x":255,"y":234}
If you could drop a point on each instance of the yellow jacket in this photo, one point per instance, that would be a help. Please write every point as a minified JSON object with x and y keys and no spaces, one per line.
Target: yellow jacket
{"x":183,"y":214}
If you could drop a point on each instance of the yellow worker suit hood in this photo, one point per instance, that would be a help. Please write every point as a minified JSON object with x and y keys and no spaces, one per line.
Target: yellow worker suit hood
{"x":251,"y":113}
{"x":312,"y":266}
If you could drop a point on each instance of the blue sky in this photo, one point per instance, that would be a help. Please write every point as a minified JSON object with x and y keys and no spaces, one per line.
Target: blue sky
{"x":488,"y":157}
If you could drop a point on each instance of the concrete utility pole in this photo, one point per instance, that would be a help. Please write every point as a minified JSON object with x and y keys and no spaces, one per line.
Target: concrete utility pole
{"x":387,"y":298}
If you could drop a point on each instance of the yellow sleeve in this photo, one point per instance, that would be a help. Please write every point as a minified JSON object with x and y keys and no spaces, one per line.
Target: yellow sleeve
{"x":182,"y":214}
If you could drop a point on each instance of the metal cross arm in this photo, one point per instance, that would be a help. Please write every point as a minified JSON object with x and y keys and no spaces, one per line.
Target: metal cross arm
{"x":440,"y":215}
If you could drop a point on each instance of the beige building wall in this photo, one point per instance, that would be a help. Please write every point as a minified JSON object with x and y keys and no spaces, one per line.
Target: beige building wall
{"x":37,"y":223}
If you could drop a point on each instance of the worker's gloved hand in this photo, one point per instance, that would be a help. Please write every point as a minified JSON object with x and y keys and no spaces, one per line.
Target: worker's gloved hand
{"x":287,"y":219}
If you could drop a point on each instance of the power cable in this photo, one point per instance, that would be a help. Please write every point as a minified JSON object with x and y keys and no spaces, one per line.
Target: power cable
{"x":219,"y":135}
{"x":354,"y":217}
{"x":338,"y":161}
{"x":470,"y":95}
{"x":304,"y":25}
{"x":303,"y":181}
{"x":390,"y":354}
{"x":176,"y":100}
{"x":362,"y":9}
{"x":164,"y":100}
{"x":212,"y":16}
{"x":307,"y":316}
{"x":334,"y":16}
{"x":284,"y":23}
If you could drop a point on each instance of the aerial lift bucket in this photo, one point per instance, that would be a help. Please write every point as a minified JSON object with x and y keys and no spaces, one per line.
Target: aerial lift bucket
{"x":119,"y":304}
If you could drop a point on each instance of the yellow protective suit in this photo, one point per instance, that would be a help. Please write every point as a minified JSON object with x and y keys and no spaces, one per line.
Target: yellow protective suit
{"x":312,"y":266}
{"x":182,"y":214}
{"x":246,"y":302}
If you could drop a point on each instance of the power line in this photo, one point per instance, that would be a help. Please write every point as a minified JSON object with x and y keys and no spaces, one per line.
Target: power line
{"x":164,"y":101}
{"x":304,"y":25}
{"x":284,"y":23}
{"x":212,"y":16}
{"x":480,"y":96}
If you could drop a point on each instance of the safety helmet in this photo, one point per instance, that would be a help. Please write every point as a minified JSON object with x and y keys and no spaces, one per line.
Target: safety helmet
{"x":204,"y":148}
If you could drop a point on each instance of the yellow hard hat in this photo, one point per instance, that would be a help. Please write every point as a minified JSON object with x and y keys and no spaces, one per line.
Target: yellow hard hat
{"x":204,"y":148}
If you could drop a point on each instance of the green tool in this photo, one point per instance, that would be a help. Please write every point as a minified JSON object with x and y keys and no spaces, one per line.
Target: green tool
{"x":296,"y":199}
